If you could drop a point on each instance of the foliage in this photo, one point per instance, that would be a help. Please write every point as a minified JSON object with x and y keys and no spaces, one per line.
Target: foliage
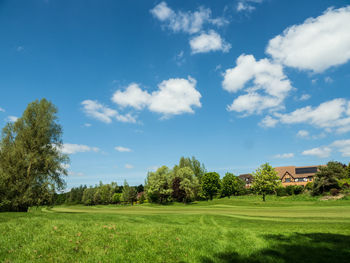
{"x":116,"y":198}
{"x":129,"y":194}
{"x":158,"y":185}
{"x":210,"y":184}
{"x":281,"y":191}
{"x":334,"y":191}
{"x":265,"y":180}
{"x":294,"y":189}
{"x":185,"y":185}
{"x":232,"y":185}
{"x":32,"y":165}
{"x":192,"y":163}
{"x":328,"y":177}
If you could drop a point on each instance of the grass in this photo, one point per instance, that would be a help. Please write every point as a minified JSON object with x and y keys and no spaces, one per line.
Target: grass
{"x":240,"y":229}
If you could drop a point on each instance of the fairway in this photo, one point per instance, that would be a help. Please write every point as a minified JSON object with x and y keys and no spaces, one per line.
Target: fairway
{"x":241,"y":229}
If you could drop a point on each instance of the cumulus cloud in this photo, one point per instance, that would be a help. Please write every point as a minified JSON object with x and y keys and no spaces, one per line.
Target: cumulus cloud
{"x":206,"y":42}
{"x":265,"y":85}
{"x":188,"y":22}
{"x":69,"y":148}
{"x":317,"y":44}
{"x":304,"y":97}
{"x":268,"y":122}
{"x":103,"y":113}
{"x":321,"y":152}
{"x":329,"y":114}
{"x":173,"y":96}
{"x":122,"y":149}
{"x":303,"y":133}
{"x":342,"y":146}
{"x":246,"y":5}
{"x":2,"y":110}
{"x":284,"y":155}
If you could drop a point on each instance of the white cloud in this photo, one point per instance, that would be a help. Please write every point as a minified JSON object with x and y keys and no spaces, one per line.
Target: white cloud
{"x":173,"y":96}
{"x":330,"y":114}
{"x":87,"y":125}
{"x":253,"y":77}
{"x":11,"y":119}
{"x":122,"y":149}
{"x":247,"y":5}
{"x":20,"y":48}
{"x":317,"y":44}
{"x":2,"y":110}
{"x":98,"y":111}
{"x":328,"y":79}
{"x":206,"y":42}
{"x":102,"y":113}
{"x":303,"y":133}
{"x":284,"y":155}
{"x":268,"y":122}
{"x":304,"y":97}
{"x":132,"y":96}
{"x":342,"y":146}
{"x":321,"y":152}
{"x":129,"y":166}
{"x":188,"y":22}
{"x":75,"y":173}
{"x":69,"y":148}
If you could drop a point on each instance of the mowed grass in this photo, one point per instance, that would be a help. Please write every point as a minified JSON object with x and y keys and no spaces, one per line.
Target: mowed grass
{"x":240,"y":229}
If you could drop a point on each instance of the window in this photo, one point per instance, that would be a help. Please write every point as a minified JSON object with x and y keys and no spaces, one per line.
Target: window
{"x":306,"y":170}
{"x":287,"y":180}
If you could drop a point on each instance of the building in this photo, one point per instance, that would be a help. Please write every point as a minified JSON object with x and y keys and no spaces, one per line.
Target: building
{"x":292,"y":175}
{"x":289,"y":175}
{"x":247,"y":178}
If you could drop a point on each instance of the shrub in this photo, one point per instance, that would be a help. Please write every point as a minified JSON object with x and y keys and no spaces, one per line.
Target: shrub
{"x":308,"y":186}
{"x":281,"y":191}
{"x":116,"y":198}
{"x":334,"y":191}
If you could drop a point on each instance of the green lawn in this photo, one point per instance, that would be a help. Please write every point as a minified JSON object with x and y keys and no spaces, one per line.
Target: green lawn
{"x":242,"y":229}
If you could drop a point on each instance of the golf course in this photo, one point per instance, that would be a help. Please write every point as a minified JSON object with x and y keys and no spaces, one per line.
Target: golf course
{"x":236,"y":229}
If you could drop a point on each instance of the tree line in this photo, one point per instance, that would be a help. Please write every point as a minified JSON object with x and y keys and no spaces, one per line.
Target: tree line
{"x":32,"y":170}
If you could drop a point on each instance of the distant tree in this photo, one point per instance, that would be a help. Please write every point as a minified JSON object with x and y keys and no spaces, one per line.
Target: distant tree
{"x":210,"y":184}
{"x":129,"y":194}
{"x":328,"y":176}
{"x":116,"y":198}
{"x":185,"y":185}
{"x":158,"y":185}
{"x":232,"y":185}
{"x":192,"y":163}
{"x":32,"y":165}
{"x":265,"y":180}
{"x":140,"y":188}
{"x":88,"y":196}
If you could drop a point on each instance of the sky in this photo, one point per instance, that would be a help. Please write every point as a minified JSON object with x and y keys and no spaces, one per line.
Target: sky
{"x":138,"y":84}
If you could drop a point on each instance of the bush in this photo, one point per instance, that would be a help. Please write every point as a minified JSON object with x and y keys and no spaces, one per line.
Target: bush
{"x":308,"y":186}
{"x":281,"y":191}
{"x":116,"y":198}
{"x":334,"y":191}
{"x":294,"y":189}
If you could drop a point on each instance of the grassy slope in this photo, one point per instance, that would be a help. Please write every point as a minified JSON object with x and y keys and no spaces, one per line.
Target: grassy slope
{"x":241,"y":229}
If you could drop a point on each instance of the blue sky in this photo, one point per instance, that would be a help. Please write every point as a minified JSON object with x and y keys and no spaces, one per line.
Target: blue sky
{"x":139,"y":84}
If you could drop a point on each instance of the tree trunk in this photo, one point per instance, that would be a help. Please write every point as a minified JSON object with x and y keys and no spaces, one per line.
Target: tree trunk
{"x":264,"y":197}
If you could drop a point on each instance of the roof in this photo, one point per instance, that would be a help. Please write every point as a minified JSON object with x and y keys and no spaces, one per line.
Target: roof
{"x":297,"y":172}
{"x":248,"y":178}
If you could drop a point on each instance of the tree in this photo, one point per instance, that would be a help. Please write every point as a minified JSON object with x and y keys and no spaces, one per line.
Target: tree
{"x":232,"y":185}
{"x":210,"y":184}
{"x":192,"y":163}
{"x":32,"y":164}
{"x":158,"y":185}
{"x":328,"y":177}
{"x":265,"y":180}
{"x":185,"y":185}
{"x":129,"y":194}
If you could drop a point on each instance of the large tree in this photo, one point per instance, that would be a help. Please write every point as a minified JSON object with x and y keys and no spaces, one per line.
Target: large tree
{"x":185,"y":185}
{"x":328,"y":177}
{"x":265,"y":180}
{"x":32,"y":164}
{"x":192,"y":163}
{"x":232,"y":185}
{"x":210,"y":184}
{"x":158,"y":185}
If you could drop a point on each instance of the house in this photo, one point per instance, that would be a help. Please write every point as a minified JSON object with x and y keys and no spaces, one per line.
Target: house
{"x":289,"y":175}
{"x":247,"y":178}
{"x":292,"y":175}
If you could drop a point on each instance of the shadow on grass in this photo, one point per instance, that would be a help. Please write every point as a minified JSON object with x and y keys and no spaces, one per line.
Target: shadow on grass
{"x":313,"y":247}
